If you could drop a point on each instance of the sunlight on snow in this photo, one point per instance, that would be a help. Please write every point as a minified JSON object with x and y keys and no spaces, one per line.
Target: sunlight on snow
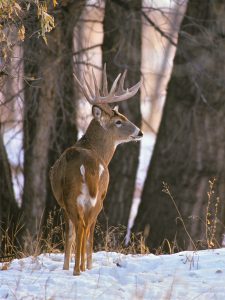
{"x":185,"y":275}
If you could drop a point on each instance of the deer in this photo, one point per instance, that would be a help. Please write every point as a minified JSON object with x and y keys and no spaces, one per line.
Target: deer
{"x":80,"y":177}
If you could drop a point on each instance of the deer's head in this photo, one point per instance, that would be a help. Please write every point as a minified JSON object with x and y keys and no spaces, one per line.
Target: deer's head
{"x":116,"y":125}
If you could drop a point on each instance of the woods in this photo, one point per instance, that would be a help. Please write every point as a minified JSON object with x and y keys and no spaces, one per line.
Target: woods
{"x":189,"y":151}
{"x":182,"y":199}
{"x":49,"y":109}
{"x":122,"y":50}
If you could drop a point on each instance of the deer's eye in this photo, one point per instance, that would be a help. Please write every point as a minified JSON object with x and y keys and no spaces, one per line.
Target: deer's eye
{"x":118,"y":123}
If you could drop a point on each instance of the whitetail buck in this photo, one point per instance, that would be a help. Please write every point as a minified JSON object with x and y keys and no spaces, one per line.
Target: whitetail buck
{"x":80,"y":177}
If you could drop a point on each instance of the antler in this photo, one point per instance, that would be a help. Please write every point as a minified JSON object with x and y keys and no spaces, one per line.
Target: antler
{"x":115,"y":94}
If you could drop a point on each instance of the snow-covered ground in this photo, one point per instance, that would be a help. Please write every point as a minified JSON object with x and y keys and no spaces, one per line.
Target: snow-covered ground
{"x":185,"y":275}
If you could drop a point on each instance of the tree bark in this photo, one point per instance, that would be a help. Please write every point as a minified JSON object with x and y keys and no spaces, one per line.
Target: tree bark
{"x":122,"y":50}
{"x":190,"y":148}
{"x":9,"y":210}
{"x":49,"y":117}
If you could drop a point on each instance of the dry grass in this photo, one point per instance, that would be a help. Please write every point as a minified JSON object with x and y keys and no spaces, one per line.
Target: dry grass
{"x":10,"y":247}
{"x":210,"y":223}
{"x":113,"y":239}
{"x":211,"y":216}
{"x":50,"y":238}
{"x":167,"y":191}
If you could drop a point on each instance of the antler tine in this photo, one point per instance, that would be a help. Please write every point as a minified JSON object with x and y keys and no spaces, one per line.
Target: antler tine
{"x":113,"y":88}
{"x":121,"y":84}
{"x":97,"y":93}
{"x":136,"y":87}
{"x":115,"y":95}
{"x":82,"y":88}
{"x":90,"y":89}
{"x":105,"y":82}
{"x":128,"y":94}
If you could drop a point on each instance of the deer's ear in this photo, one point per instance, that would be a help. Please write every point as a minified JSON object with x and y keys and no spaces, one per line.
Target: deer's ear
{"x":116,"y":108}
{"x":96,"y":112}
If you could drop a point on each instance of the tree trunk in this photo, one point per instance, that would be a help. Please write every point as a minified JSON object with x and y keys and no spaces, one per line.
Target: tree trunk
{"x":64,"y":133}
{"x":9,"y":210}
{"x":190,"y":148}
{"x":122,"y":50}
{"x":49,"y":118}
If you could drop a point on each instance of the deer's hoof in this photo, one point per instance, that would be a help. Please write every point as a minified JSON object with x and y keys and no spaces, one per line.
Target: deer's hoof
{"x":65,"y":267}
{"x":82,"y":268}
{"x":76,"y":273}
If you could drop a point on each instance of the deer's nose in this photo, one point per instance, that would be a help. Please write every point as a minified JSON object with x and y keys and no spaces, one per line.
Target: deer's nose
{"x":140,"y":133}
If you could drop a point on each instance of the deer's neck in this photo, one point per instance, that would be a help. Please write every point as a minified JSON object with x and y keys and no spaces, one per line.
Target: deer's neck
{"x":97,"y":139}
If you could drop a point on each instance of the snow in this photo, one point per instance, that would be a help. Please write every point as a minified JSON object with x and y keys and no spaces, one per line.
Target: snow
{"x":185,"y":275}
{"x":13,"y":140}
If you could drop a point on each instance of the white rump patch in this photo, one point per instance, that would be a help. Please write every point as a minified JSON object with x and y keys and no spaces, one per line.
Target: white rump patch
{"x":84,"y":195}
{"x":84,"y":199}
{"x":101,"y":170}
{"x":82,"y":170}
{"x":93,"y":201}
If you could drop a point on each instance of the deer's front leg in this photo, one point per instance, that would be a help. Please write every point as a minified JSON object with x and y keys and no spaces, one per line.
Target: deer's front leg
{"x":79,"y":240}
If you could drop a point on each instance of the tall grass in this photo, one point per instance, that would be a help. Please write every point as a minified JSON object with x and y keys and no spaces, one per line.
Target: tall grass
{"x":50,"y":238}
{"x":210,"y":221}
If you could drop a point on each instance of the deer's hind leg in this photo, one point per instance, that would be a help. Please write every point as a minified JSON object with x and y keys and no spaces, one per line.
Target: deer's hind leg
{"x":90,"y":245}
{"x":83,"y":250}
{"x":69,"y":239}
{"x":79,"y":241}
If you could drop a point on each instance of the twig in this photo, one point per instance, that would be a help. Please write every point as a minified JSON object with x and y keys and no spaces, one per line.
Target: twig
{"x":86,"y":49}
{"x":167,"y":191}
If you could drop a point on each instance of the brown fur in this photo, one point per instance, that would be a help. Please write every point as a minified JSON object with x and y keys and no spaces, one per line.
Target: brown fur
{"x":95,"y":148}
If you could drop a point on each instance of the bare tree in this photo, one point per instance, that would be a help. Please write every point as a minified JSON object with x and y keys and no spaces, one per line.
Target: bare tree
{"x":49,"y":114}
{"x":189,"y":150}
{"x":9,"y":210}
{"x":122,"y":50}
